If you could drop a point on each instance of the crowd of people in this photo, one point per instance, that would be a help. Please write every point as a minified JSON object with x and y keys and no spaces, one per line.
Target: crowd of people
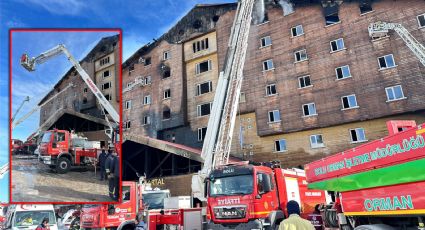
{"x":110,"y":170}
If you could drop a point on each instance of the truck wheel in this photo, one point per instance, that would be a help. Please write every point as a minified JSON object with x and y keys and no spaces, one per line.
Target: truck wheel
{"x":63,"y":165}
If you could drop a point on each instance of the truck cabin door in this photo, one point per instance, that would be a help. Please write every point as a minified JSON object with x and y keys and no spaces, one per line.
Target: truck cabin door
{"x":127,"y":209}
{"x":59,"y":143}
{"x":266,"y":199}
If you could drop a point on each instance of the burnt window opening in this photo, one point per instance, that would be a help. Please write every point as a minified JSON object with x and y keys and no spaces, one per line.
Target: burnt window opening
{"x":85,"y":90}
{"x":197,"y":24}
{"x":215,"y":18}
{"x":203,"y":67}
{"x":108,"y":97}
{"x":85,"y":100}
{"x":148,"y":61}
{"x":103,"y":49}
{"x":204,"y":109}
{"x":114,"y":44}
{"x":200,"y":45}
{"x":107,"y":85}
{"x":365,"y":7}
{"x":266,"y":17}
{"x":166,"y":113}
{"x":181,"y":32}
{"x":131,"y":68}
{"x":331,"y":14}
{"x":165,"y":71}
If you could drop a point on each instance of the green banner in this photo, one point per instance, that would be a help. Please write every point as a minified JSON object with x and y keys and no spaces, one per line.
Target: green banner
{"x":411,"y":171}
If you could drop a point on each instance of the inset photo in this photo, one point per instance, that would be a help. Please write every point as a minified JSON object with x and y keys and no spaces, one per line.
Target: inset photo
{"x":65,"y":94}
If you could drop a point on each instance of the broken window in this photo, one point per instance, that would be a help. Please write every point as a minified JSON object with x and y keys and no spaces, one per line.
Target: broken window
{"x":297,"y":31}
{"x":274,"y":116}
{"x":106,"y":85}
{"x":386,"y":61}
{"x":205,"y":87}
{"x":357,"y":135}
{"x":166,"y":113}
{"x":304,"y":81}
{"x":203,"y":67}
{"x":337,"y":45}
{"x":349,"y":101}
{"x":316,"y":141}
{"x":421,"y":20}
{"x":201,"y":133}
{"x":128,"y":104}
{"x":108,"y":97}
{"x":268,"y":65}
{"x":147,"y":100}
{"x":204,"y":109}
{"x":394,"y":93}
{"x":167,"y":94}
{"x":146,"y":120}
{"x":331,"y":14}
{"x":148,"y":61}
{"x":365,"y":7}
{"x":343,"y":72}
{"x":280,"y":145}
{"x":165,"y":71}
{"x":266,"y":41}
{"x":271,"y":90}
{"x":309,"y":109}
{"x":85,"y":90}
{"x":300,"y":55}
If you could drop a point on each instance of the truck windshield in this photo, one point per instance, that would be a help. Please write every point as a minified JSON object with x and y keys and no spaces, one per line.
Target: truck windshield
{"x":46,"y":137}
{"x":232,"y":185}
{"x":25,"y":219}
{"x":154,"y":200}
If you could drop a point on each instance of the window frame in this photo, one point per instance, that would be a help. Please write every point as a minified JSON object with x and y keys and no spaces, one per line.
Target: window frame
{"x":278,"y":142}
{"x":350,"y":107}
{"x":147,"y":100}
{"x":419,"y":22}
{"x":342,"y":72}
{"x":127,"y":105}
{"x":199,"y":109}
{"x":146,"y":120}
{"x":198,"y":67}
{"x":303,"y":77}
{"x":336,"y":44}
{"x":199,"y":88}
{"x":201,"y":137}
{"x":106,"y":83}
{"x":166,"y":55}
{"x":295,"y":27}
{"x":357,"y":135}
{"x":308,"y":106}
{"x":392,"y":88}
{"x":167,"y":91}
{"x":274,"y":116}
{"x":299,"y":51}
{"x":316,"y":145}
{"x":386,"y":64}
{"x":265,"y":39}
{"x":269,"y":88}
{"x":267,"y":63}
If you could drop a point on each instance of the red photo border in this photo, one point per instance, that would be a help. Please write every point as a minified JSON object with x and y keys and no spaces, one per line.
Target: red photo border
{"x":119,"y":31}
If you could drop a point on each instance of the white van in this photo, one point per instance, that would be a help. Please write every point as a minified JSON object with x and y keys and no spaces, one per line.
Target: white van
{"x":29,"y":216}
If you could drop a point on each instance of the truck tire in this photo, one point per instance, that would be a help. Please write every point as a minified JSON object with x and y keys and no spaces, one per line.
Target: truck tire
{"x":374,"y":227}
{"x":63,"y":165}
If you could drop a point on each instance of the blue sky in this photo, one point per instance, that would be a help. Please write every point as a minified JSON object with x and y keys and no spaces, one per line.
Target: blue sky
{"x":140,"y":21}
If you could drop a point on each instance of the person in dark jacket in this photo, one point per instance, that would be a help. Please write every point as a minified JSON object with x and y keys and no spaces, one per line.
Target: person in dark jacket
{"x":102,"y":161}
{"x":44,"y":224}
{"x":116,"y":172}
{"x":109,"y":163}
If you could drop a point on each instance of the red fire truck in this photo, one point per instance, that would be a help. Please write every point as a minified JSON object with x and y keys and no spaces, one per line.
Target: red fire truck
{"x":138,"y":198}
{"x":245,"y":196}
{"x":61,"y":149}
{"x":381,"y":183}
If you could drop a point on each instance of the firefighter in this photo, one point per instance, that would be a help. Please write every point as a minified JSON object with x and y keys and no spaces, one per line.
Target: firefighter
{"x":294,"y":221}
{"x":108,"y":168}
{"x":116,"y":172}
{"x":102,"y":161}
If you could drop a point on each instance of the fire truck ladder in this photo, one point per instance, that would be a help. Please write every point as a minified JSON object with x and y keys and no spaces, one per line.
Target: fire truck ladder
{"x":27,"y":99}
{"x":30,"y":63}
{"x":23,"y":118}
{"x":221,"y":123}
{"x":3,"y":170}
{"x":380,"y":29}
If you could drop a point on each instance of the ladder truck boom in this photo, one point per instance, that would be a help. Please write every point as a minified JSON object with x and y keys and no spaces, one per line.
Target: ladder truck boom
{"x":218,"y":138}
{"x":27,"y":99}
{"x":30,"y":63}
{"x":23,"y":118}
{"x":380,"y":29}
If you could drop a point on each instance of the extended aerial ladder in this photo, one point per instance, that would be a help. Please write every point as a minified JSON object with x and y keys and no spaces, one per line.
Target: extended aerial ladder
{"x":27,"y":99}
{"x":381,"y":29}
{"x":3,"y":170}
{"x":26,"y":116}
{"x":30,"y":63}
{"x":221,"y":123}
